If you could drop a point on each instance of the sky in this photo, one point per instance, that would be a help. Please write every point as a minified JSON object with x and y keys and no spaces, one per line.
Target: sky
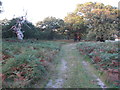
{"x":37,"y":10}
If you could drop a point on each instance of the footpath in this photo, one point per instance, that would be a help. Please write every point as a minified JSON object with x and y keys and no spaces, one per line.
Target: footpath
{"x":73,"y":71}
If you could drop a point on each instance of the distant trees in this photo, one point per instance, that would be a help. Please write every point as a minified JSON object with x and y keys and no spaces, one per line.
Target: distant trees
{"x":93,"y":20}
{"x":6,"y":25}
{"x":75,"y":24}
{"x":90,"y":20}
{"x":27,"y":28}
{"x":51,"y":26}
{"x":101,"y":20}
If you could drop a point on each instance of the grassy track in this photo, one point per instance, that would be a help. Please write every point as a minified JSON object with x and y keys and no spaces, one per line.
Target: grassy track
{"x":74,"y":75}
{"x":39,"y":61}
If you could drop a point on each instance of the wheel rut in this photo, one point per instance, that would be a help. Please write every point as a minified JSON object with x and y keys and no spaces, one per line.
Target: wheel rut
{"x":73,"y":71}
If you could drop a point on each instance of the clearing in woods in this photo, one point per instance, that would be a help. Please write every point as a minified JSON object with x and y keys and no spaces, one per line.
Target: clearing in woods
{"x":73,"y":71}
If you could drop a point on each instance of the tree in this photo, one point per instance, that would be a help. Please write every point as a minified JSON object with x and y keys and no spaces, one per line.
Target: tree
{"x":7,"y":32}
{"x":100,"y":19}
{"x":6,"y":25}
{"x":74,"y":24}
{"x":51,"y":25}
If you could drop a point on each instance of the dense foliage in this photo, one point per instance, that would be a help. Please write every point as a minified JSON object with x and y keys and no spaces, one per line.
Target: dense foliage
{"x":52,"y":26}
{"x":100,"y":20}
{"x":31,"y":31}
{"x":104,"y":56}
{"x":28,"y":29}
{"x":90,"y":20}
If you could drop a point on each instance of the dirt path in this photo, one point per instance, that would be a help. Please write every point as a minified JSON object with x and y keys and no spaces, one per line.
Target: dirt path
{"x":73,"y":71}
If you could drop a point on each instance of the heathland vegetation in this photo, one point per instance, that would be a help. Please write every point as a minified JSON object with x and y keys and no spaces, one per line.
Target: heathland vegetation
{"x":48,"y":55}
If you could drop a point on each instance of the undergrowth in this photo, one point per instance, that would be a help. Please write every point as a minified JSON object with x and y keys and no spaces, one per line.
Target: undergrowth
{"x":104,"y":57}
{"x":26,"y":62}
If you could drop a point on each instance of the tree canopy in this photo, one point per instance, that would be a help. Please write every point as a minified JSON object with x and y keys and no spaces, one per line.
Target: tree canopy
{"x":100,"y":19}
{"x":51,"y":25}
{"x":90,"y":20}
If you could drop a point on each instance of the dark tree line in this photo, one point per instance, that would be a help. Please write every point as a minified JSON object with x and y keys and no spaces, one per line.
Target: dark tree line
{"x":90,"y":20}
